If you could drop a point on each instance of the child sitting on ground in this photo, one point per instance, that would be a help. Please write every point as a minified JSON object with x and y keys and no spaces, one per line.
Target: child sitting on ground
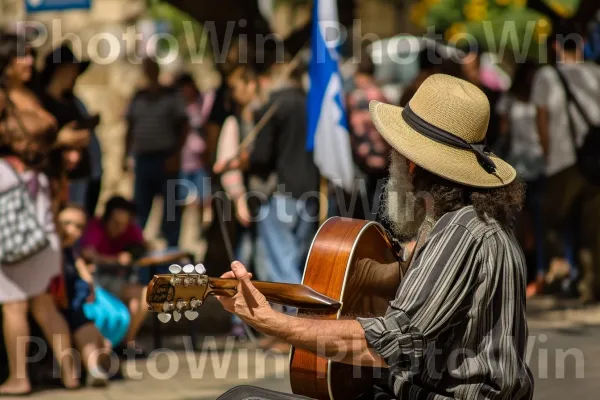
{"x":80,"y":290}
{"x":112,"y":243}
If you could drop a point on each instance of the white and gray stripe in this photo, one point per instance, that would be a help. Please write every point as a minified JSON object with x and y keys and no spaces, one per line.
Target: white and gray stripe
{"x":156,"y":121}
{"x":457,"y":328}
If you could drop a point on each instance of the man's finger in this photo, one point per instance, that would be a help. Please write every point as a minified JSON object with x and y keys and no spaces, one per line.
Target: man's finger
{"x":231,"y":275}
{"x":228,"y":275}
{"x":218,"y":168}
{"x":240,"y":271}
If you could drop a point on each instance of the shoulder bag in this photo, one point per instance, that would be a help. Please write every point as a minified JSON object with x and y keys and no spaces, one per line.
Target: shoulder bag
{"x":588,"y":155}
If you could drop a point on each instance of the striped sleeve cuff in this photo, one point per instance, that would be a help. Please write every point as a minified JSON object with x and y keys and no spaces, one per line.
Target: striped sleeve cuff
{"x":392,"y":337}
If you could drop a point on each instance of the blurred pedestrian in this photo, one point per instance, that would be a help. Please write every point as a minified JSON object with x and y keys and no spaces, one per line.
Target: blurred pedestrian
{"x":471,"y":69}
{"x":518,"y":130}
{"x":243,"y":188}
{"x":112,"y":243}
{"x":569,"y":196}
{"x":60,"y":74}
{"x":371,"y":152}
{"x":288,"y":222}
{"x":195,"y":157}
{"x":80,"y":290}
{"x":155,"y":136}
{"x":223,"y":106}
{"x":30,"y":248}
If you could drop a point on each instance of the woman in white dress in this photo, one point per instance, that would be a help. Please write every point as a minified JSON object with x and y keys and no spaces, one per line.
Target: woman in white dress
{"x":24,"y":286}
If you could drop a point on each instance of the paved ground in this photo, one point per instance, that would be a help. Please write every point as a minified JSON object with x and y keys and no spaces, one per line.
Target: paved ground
{"x":564,"y":356}
{"x":181,"y":375}
{"x":566,"y":363}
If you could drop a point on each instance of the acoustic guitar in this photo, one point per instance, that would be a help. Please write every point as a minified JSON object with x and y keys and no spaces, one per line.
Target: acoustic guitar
{"x":352,"y":270}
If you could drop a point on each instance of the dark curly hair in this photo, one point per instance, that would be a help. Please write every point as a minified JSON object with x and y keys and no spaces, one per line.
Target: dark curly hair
{"x":11,"y":47}
{"x":501,"y":204}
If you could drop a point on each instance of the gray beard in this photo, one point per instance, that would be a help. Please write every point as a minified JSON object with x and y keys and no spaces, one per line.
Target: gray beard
{"x":402,"y":210}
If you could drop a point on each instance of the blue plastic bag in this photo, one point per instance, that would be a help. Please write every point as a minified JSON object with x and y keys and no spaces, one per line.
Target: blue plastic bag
{"x":110,"y":316}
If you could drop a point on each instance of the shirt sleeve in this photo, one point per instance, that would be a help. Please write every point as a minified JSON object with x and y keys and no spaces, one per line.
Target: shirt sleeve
{"x":542,"y":86}
{"x":430,"y":298}
{"x":227,"y":149}
{"x":136,"y":234}
{"x":92,"y":236}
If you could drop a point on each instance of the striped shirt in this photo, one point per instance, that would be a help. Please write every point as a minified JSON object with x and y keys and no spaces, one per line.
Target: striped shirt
{"x":457,"y":328}
{"x":156,"y":121}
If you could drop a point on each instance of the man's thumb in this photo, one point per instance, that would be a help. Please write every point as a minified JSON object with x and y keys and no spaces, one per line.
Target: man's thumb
{"x":239,"y":270}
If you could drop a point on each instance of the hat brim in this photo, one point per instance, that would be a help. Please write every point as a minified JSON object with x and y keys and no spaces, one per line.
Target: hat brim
{"x":50,"y":69}
{"x":457,"y":165}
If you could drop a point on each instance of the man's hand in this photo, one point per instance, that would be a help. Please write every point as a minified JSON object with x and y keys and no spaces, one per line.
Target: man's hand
{"x":92,"y":296}
{"x":326,"y":338}
{"x":248,"y":304}
{"x":240,"y":162}
{"x":71,"y":137}
{"x":125,"y":258}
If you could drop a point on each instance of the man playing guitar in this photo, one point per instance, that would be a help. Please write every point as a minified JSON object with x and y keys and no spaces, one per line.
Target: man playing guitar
{"x":457,"y":327}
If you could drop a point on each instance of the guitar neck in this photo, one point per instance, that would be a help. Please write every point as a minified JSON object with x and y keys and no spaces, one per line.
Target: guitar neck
{"x":298,"y":296}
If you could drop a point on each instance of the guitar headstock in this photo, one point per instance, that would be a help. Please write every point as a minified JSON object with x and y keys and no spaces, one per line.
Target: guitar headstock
{"x":180,"y":293}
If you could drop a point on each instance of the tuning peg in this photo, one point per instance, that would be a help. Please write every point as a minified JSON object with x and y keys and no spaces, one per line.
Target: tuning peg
{"x":188,"y":269}
{"x":167,"y":306}
{"x":189,"y":281}
{"x":200,"y":269}
{"x":164,"y":317}
{"x":176,"y":316}
{"x":180,"y":305}
{"x":195,"y":303}
{"x":175,"y":269}
{"x":191,"y":315}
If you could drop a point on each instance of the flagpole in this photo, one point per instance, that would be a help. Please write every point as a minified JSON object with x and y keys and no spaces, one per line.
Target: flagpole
{"x":323,"y":200}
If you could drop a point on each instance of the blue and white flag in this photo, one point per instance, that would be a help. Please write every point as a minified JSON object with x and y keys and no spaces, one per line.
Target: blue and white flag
{"x":328,"y":134}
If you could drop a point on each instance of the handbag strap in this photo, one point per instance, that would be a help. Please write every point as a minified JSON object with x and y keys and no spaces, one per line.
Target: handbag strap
{"x":32,"y":189}
{"x":572,"y":99}
{"x":511,"y":101}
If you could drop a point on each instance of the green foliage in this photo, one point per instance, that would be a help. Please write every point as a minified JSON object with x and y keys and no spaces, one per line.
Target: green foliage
{"x":186,"y":30}
{"x":491,"y":22}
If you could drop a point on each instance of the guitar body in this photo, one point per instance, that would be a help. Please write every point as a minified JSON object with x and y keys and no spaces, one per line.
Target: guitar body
{"x":353,"y":262}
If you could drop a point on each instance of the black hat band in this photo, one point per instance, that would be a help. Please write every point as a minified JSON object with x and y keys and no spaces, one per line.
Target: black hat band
{"x":442,"y":136}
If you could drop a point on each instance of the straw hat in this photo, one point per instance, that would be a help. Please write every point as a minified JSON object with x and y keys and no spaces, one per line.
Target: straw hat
{"x":443,"y":130}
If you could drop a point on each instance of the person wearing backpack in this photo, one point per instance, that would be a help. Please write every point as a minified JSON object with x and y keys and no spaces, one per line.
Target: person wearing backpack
{"x":518,"y":136}
{"x":567,"y":97}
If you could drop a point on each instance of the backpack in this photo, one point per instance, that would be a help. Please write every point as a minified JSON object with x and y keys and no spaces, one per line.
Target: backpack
{"x":588,"y":155}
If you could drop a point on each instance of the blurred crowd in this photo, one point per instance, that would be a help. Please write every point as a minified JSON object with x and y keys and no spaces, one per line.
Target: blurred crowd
{"x":69,"y":267}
